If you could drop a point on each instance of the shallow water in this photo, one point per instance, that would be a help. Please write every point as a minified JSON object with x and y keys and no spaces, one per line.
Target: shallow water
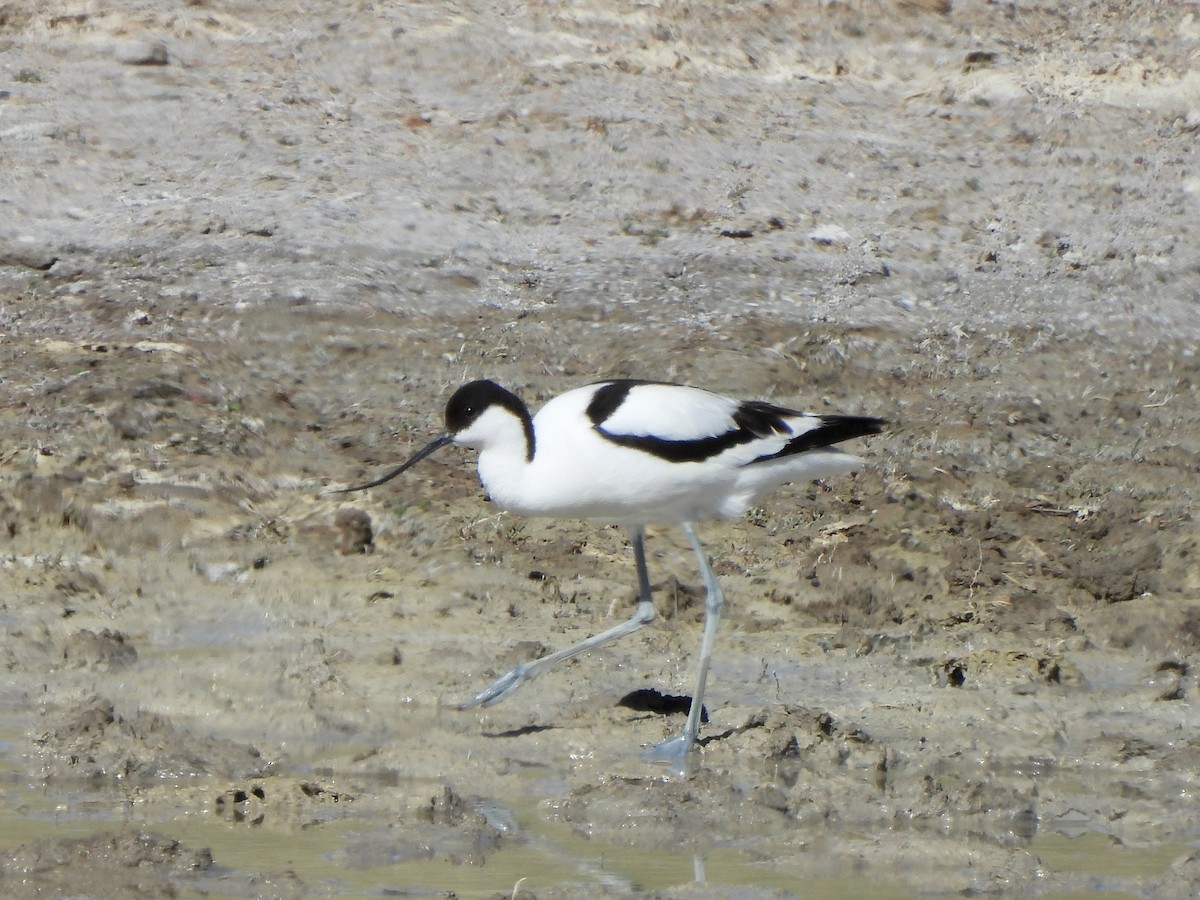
{"x":342,"y":858}
{"x":345,"y":855}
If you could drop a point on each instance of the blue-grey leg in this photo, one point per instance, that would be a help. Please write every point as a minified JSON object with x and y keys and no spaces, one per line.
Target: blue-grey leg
{"x":642,"y":616}
{"x":714,"y":599}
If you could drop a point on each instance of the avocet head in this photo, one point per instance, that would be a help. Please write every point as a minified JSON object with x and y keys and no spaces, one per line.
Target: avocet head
{"x":482,"y":412}
{"x":478,"y":413}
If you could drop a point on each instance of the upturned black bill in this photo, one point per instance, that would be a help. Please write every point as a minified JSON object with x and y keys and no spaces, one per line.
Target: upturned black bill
{"x":420,"y":455}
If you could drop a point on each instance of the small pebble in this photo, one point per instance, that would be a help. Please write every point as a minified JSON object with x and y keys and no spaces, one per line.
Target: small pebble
{"x":829,"y":234}
{"x":353,"y":532}
{"x":214,"y":572}
{"x":29,"y":254}
{"x":142,"y":53}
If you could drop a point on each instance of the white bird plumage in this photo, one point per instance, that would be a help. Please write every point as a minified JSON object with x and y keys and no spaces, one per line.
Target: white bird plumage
{"x":638,"y":453}
{"x":579,"y":469}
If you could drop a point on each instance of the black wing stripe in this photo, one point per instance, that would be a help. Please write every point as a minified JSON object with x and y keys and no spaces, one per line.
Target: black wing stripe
{"x":608,"y":398}
{"x":753,"y":419}
{"x":696,"y":450}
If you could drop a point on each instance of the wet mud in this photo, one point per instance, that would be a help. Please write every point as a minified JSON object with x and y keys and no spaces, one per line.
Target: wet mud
{"x":968,"y":668}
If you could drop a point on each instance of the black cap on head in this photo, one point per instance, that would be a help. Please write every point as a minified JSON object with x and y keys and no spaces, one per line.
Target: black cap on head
{"x":471,"y":400}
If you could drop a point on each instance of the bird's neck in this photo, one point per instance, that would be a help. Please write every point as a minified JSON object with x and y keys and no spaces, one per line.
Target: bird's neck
{"x":503,"y":471}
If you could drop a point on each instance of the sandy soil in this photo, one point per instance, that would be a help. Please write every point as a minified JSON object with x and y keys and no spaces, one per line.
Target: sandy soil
{"x":248,"y":249}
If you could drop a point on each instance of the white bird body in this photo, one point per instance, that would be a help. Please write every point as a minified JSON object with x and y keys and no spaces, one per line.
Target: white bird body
{"x":635,"y":453}
{"x":579,"y":471}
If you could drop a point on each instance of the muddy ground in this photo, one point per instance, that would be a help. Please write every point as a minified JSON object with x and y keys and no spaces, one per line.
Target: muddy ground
{"x":248,"y":249}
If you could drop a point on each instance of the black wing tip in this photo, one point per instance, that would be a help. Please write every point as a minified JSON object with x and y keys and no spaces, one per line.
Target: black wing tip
{"x":833,"y":429}
{"x":837,"y":428}
{"x":873,"y":424}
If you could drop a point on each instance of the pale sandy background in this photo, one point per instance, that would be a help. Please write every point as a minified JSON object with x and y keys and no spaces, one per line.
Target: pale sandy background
{"x":248,"y":249}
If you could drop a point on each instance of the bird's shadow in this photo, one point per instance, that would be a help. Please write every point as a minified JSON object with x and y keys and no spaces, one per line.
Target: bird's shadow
{"x":653,"y":701}
{"x":519,"y":732}
{"x":642,"y":700}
